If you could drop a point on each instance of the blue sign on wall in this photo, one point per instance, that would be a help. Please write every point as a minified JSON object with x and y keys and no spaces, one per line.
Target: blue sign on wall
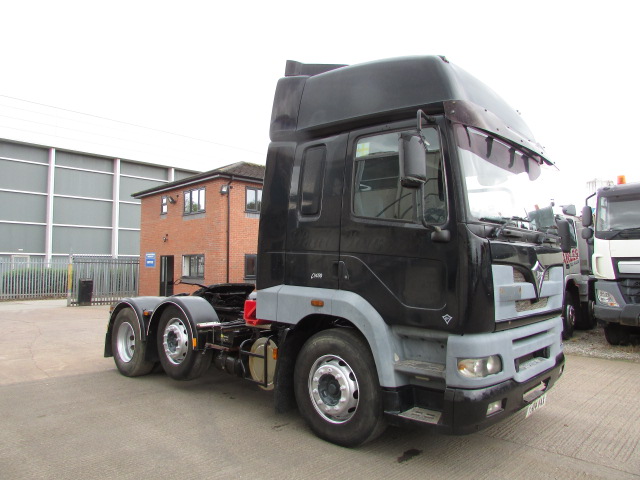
{"x":150,"y":260}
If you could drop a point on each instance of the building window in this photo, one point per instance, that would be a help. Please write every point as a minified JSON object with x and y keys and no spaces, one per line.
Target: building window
{"x":193,"y":266}
{"x":254,"y":200}
{"x":194,"y":201}
{"x":250,"y":266}
{"x":164,"y":205}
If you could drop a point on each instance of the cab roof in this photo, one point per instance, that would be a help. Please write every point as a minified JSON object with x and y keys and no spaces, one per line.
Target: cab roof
{"x":317,"y":100}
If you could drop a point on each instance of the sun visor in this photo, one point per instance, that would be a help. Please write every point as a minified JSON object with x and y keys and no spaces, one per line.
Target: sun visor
{"x":472,"y":115}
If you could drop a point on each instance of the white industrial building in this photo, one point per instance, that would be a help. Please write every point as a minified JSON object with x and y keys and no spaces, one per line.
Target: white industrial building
{"x":57,"y":202}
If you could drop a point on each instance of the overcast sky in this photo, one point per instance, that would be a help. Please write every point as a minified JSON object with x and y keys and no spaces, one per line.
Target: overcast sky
{"x":199,"y":76}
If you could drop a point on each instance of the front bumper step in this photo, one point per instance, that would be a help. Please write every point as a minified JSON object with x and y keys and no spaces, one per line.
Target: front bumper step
{"x":422,"y":415}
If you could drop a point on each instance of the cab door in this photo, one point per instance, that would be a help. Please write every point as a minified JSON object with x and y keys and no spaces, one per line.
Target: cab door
{"x":387,"y":255}
{"x":313,"y":240}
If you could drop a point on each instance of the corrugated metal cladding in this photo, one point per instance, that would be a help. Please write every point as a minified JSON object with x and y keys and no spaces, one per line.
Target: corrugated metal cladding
{"x":56,"y":202}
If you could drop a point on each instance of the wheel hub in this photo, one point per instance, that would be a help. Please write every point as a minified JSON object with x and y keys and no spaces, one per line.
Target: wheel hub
{"x":126,"y":342}
{"x":333,"y":388}
{"x":175,"y":341}
{"x":571,"y":315}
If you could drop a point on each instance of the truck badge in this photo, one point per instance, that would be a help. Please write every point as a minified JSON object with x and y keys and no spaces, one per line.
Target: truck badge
{"x":538,"y":272}
{"x":447,"y":318}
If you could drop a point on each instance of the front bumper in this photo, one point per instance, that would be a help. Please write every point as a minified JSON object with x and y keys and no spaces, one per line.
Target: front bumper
{"x":625,"y":314}
{"x":463,"y":411}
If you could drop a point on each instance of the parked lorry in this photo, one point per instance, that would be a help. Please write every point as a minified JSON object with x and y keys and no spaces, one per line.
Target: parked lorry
{"x":390,"y":287}
{"x":616,"y":259}
{"x":579,"y":291}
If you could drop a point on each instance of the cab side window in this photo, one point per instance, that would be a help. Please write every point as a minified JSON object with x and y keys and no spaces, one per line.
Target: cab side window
{"x":377,"y":190}
{"x":312,"y":180}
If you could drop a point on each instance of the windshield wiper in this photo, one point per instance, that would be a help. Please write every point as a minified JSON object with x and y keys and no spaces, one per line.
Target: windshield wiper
{"x":503,"y":222}
{"x":500,"y":220}
{"x":624,"y":230}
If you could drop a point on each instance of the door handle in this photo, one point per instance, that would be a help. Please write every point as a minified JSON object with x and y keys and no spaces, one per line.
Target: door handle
{"x":343,"y":273}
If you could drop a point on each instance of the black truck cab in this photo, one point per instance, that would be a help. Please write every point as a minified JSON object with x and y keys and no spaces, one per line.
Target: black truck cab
{"x":429,"y":274}
{"x":395,"y":279}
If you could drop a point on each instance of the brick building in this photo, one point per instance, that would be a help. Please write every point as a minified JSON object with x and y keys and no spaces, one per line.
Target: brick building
{"x":202,"y":229}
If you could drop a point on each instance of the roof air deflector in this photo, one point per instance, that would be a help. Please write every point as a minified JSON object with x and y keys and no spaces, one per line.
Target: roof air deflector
{"x":294,"y":69}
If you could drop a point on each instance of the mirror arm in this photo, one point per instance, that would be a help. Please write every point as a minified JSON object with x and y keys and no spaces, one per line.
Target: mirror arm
{"x":428,"y":118}
{"x":437,"y":233}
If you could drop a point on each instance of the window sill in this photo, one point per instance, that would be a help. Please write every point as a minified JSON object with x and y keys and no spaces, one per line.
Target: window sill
{"x":191,"y":216}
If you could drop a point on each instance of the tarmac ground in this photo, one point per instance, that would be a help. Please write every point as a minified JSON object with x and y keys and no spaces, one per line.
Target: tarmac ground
{"x":68,"y":414}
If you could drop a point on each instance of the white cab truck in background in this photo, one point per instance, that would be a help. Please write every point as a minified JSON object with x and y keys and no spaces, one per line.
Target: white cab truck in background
{"x":615,"y":239}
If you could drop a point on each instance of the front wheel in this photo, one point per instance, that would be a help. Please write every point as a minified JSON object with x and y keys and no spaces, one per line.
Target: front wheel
{"x":337,"y":388}
{"x":175,"y":347}
{"x":616,"y":334}
{"x":129,"y":351}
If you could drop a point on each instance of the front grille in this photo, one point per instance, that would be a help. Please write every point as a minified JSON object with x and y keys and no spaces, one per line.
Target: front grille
{"x":518,"y":277}
{"x":526,"y":305}
{"x":531,"y":359}
{"x":630,"y":289}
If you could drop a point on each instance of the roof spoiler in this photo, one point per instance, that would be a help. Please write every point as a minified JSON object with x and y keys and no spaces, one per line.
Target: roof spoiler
{"x":295,"y":69}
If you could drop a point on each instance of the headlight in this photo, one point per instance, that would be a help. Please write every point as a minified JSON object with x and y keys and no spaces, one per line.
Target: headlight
{"x":479,"y":367}
{"x":605,"y":298}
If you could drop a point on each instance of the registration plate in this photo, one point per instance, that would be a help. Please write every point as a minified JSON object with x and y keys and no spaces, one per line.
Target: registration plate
{"x":537,"y":404}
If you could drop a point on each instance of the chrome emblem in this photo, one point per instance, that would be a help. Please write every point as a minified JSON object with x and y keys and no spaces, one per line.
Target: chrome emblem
{"x":447,"y":318}
{"x":538,"y":273}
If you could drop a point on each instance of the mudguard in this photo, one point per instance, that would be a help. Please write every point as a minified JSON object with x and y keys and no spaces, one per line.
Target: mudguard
{"x":196,"y":309}
{"x":138,"y":305}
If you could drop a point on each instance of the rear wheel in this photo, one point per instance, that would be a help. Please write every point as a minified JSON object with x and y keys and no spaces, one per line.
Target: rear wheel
{"x":128,"y":349}
{"x":569,"y":314}
{"x":175,"y":347}
{"x":589,"y":316}
{"x":337,"y":388}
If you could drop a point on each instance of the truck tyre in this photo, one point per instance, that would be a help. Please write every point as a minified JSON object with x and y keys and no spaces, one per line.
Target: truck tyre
{"x":569,"y":314}
{"x":589,"y":315}
{"x":175,"y":347}
{"x":337,"y":388}
{"x":616,"y":334}
{"x":128,"y":349}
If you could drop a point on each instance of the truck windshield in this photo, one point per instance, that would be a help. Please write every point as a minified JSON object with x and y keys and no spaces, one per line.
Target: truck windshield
{"x":502,"y":183}
{"x":618,"y":214}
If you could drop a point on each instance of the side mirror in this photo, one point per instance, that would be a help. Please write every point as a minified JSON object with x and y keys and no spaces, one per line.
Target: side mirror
{"x":587,"y":216}
{"x":565,"y":235}
{"x":569,"y":210}
{"x":413,"y":161}
{"x":587,"y":233}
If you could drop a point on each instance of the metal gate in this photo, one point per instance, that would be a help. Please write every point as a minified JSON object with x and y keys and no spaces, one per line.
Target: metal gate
{"x":83,"y":280}
{"x":102,"y":280}
{"x":23,"y":277}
